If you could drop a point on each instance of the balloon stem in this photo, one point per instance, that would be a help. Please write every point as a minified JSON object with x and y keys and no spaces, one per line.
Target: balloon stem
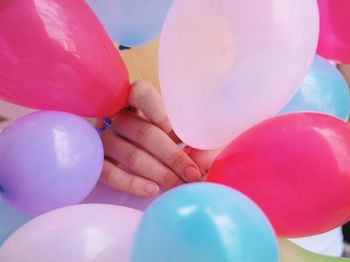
{"x":123,"y":47}
{"x":107,"y":122}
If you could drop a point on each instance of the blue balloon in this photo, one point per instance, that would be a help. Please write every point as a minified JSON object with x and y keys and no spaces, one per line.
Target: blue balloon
{"x":131,"y":22}
{"x":204,"y":222}
{"x":10,"y":221}
{"x":324,"y":90}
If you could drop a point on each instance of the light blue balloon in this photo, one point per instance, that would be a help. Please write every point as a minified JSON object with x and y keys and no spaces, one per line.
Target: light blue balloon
{"x":131,"y":22}
{"x":324,"y":90}
{"x":204,"y":222}
{"x":10,"y":221}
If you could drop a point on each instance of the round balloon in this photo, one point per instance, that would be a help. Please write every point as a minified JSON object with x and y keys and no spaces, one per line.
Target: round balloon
{"x":78,"y":233}
{"x":10,"y":220}
{"x":57,"y":56}
{"x":131,"y":22}
{"x":204,"y":222}
{"x":232,"y":64}
{"x":142,"y":62}
{"x":48,"y":160}
{"x":324,"y":90}
{"x":334,"y":41}
{"x":296,"y":168}
{"x":292,"y":253}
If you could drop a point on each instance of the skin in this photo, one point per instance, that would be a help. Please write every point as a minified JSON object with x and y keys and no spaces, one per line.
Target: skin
{"x":141,"y":153}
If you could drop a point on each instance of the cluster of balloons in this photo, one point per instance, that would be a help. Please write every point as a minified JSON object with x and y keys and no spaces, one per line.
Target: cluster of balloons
{"x":284,"y":176}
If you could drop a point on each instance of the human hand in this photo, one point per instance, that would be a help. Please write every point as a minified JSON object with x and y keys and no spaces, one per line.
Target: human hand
{"x":140,"y":156}
{"x":203,"y":158}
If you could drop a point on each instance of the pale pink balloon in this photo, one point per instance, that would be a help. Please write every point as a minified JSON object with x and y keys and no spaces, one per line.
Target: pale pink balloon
{"x":90,"y":232}
{"x":227,"y":65}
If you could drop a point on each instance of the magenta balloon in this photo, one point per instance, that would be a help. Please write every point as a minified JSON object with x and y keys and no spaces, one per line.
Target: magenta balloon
{"x":78,"y":233}
{"x":48,"y":160}
{"x":55,"y":55}
{"x":225,"y":65}
{"x":334,"y":41}
{"x":105,"y":195}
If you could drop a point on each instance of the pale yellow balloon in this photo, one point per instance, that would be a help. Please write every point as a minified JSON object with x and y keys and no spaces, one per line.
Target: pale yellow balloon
{"x":142,"y":62}
{"x":290,"y":252}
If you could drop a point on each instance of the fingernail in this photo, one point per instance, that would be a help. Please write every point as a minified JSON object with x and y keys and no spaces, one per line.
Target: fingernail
{"x":192,"y":174}
{"x":151,"y":189}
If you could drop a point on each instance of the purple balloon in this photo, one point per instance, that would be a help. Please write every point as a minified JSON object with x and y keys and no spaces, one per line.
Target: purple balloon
{"x":48,"y":160}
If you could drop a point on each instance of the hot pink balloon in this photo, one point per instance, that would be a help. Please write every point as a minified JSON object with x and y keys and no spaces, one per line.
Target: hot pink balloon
{"x":78,"y":233}
{"x":296,"y":167}
{"x":55,"y":55}
{"x":334,"y":42}
{"x":226,"y":65}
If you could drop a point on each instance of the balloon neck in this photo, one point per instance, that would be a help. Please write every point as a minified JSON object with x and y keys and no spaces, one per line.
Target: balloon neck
{"x":107,"y":122}
{"x":123,"y":47}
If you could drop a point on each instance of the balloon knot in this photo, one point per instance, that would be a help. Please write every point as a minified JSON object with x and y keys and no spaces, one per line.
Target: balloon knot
{"x":123,"y":47}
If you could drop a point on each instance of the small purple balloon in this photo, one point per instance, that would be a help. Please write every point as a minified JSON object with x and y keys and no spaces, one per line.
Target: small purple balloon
{"x":48,"y":160}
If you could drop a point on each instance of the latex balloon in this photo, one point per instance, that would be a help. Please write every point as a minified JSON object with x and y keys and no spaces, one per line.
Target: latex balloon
{"x":48,"y":160}
{"x":296,"y":168}
{"x":142,"y":62}
{"x":324,"y":90}
{"x":131,"y":22}
{"x":10,"y":220}
{"x":105,"y":195}
{"x":291,"y":253}
{"x":334,"y":42}
{"x":204,"y":222}
{"x":330,"y":243}
{"x":76,"y":233}
{"x":219,"y":69}
{"x":57,"y":56}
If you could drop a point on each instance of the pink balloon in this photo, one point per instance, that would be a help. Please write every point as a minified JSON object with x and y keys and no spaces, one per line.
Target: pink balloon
{"x":55,"y":55}
{"x":334,"y":41}
{"x":226,"y":65}
{"x":106,"y":195}
{"x":296,"y":167}
{"x":76,"y":233}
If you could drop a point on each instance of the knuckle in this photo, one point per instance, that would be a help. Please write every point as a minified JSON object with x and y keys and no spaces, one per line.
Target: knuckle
{"x":176,"y":159}
{"x":144,"y":132}
{"x":129,"y":184}
{"x":132,"y":156}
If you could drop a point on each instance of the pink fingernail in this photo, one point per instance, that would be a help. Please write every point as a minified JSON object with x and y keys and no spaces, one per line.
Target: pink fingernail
{"x":151,"y":189}
{"x":192,"y":174}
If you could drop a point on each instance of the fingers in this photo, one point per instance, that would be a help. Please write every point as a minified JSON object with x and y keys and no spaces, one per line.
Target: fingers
{"x":157,"y":143}
{"x":146,"y":98}
{"x":119,"y":179}
{"x":203,"y":158}
{"x":138,"y":161}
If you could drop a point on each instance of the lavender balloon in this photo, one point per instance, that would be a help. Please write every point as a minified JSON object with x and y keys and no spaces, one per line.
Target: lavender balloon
{"x":48,"y":160}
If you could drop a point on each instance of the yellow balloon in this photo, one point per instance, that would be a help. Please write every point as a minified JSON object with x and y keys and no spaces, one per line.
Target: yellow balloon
{"x":142,"y":62}
{"x":290,"y":252}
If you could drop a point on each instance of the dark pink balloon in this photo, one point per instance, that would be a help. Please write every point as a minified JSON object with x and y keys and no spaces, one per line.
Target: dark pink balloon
{"x":334,"y":41}
{"x":55,"y":55}
{"x":296,"y":167}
